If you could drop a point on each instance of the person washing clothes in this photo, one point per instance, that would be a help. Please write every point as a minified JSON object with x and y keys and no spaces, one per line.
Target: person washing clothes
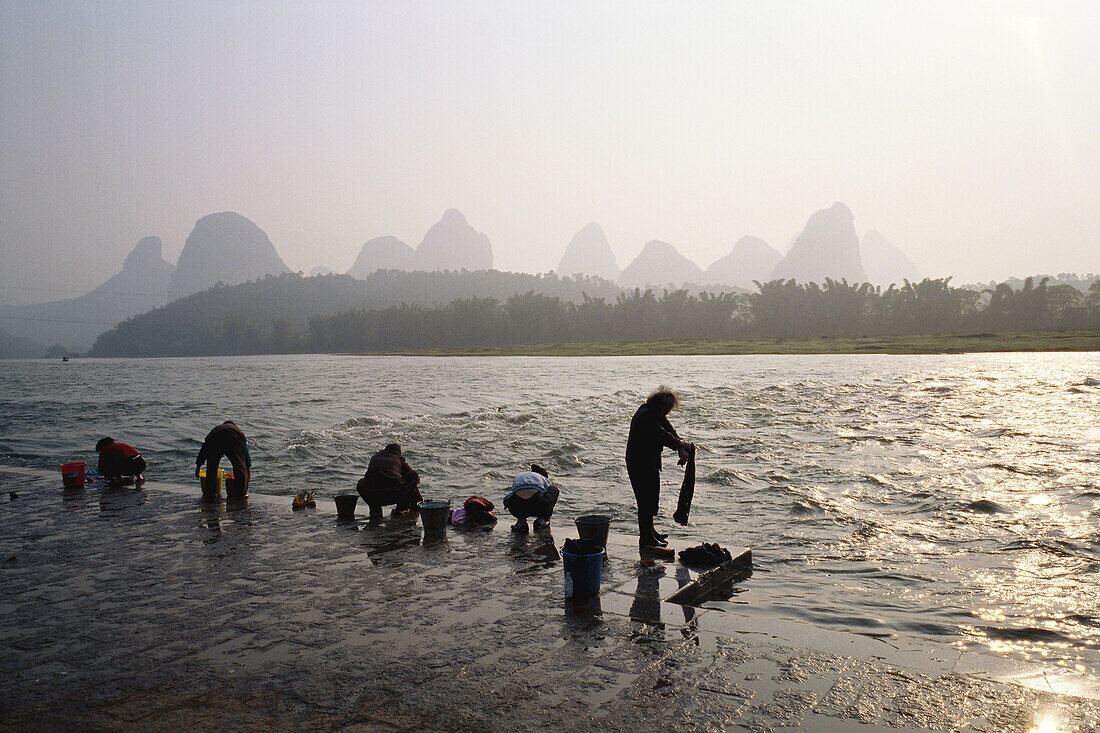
{"x":118,"y":460}
{"x":226,"y":440}
{"x":650,"y":433}
{"x":389,"y":480}
{"x":532,"y":495}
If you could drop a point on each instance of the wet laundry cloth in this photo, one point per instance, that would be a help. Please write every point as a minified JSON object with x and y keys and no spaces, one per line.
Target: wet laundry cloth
{"x":582,"y":547}
{"x":479,"y":510}
{"x":687,"y":490}
{"x":705,"y":555}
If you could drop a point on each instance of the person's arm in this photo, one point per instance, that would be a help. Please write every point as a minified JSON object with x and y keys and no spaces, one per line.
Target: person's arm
{"x":666,"y":434}
{"x":202,"y":457}
{"x":682,"y":447}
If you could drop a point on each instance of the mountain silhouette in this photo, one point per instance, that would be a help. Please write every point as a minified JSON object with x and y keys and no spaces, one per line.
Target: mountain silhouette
{"x":452,"y":244}
{"x":659,"y":264}
{"x":74,"y":323}
{"x":750,"y":259}
{"x":827,"y":248}
{"x":588,"y":253}
{"x":225,"y":248}
{"x":383,"y":253}
{"x":884,"y":262}
{"x":320,"y":271}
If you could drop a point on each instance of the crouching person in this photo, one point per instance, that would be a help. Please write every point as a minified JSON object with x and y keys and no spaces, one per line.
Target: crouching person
{"x":225,"y":441}
{"x":532,"y":495}
{"x":389,"y":480}
{"x":118,"y":461}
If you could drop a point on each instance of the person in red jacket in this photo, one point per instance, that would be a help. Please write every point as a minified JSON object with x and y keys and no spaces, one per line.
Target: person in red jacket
{"x":118,"y":459}
{"x":389,"y":480}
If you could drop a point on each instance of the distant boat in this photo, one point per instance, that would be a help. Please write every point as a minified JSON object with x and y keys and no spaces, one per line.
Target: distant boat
{"x":64,"y":358}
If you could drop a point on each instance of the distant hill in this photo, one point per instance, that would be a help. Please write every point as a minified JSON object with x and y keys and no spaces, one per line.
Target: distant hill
{"x":383,"y":253}
{"x":750,"y":259}
{"x":588,"y":253}
{"x":659,"y":264}
{"x":452,"y":244}
{"x":74,"y":323}
{"x":225,"y":248}
{"x":885,"y":263}
{"x":271,"y":315}
{"x":827,"y":248}
{"x":17,"y":347}
{"x":321,"y":270}
{"x":1078,"y":282}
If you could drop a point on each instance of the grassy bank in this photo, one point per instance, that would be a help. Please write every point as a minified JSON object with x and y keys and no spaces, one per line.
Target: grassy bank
{"x":946,"y":344}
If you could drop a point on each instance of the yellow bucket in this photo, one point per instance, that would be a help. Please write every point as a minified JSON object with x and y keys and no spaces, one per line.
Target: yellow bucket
{"x":217,"y":482}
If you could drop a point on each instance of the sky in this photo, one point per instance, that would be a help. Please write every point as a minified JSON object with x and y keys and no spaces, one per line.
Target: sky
{"x":965,"y":132}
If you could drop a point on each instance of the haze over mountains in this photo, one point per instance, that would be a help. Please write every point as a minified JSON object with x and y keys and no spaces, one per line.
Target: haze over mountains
{"x":659,"y":264}
{"x":826,"y":248}
{"x":588,"y":253}
{"x":450,"y":244}
{"x":751,"y":259}
{"x":225,"y":248}
{"x":75,"y":322}
{"x":884,"y":262}
{"x":228,"y":248}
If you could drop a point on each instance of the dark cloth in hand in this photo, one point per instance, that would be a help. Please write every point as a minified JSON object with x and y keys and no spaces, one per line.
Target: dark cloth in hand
{"x":687,"y":490}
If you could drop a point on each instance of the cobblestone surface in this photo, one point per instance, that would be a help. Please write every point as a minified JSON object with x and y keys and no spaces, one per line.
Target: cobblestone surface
{"x":144,"y":609}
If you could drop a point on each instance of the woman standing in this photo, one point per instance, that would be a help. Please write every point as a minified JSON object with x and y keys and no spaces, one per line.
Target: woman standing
{"x":650,"y":433}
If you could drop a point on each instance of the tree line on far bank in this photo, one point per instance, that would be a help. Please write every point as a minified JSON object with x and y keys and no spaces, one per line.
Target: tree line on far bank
{"x":778,"y":309}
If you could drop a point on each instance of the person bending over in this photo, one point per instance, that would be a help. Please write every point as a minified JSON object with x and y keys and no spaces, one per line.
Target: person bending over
{"x":650,"y":433}
{"x":225,"y":440}
{"x":532,"y":495}
{"x":389,"y":480}
{"x":117,"y":460}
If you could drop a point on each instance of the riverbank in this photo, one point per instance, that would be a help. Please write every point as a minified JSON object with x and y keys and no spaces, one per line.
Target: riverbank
{"x":148,"y":610}
{"x":942,"y":344}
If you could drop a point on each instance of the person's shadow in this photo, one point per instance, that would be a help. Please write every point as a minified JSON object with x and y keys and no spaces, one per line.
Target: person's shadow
{"x":533,"y":552}
{"x":647,"y":596}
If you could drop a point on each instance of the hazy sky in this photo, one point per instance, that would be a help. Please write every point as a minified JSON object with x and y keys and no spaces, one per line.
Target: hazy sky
{"x":967,"y":133}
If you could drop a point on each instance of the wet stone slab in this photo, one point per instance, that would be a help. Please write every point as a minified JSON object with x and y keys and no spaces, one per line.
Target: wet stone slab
{"x":146,"y":610}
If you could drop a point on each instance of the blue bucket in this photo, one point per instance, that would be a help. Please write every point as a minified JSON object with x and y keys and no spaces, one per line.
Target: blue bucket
{"x":582,"y":575}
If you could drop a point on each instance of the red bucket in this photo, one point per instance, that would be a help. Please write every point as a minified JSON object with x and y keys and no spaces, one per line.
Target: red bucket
{"x":73,"y":475}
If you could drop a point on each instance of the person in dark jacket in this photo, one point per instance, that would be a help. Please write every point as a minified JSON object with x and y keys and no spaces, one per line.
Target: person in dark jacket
{"x":389,"y":480}
{"x":651,"y":433}
{"x":532,"y":495}
{"x":226,"y":440}
{"x":118,"y":459}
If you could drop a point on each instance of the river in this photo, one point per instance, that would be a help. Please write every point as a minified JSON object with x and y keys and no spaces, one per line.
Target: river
{"x":951,"y":498}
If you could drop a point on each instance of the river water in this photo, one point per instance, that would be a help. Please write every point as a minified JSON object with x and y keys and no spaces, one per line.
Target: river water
{"x":948,"y":498}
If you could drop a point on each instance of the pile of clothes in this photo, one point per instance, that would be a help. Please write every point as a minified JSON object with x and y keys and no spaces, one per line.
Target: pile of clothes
{"x":477,"y":511}
{"x":705,"y":555}
{"x":582,"y":547}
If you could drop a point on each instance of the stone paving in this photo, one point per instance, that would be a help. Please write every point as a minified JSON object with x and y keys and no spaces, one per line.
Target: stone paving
{"x":146,"y":610}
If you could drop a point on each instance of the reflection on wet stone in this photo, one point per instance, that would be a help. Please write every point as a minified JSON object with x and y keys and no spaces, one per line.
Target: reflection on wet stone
{"x":255,"y":617}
